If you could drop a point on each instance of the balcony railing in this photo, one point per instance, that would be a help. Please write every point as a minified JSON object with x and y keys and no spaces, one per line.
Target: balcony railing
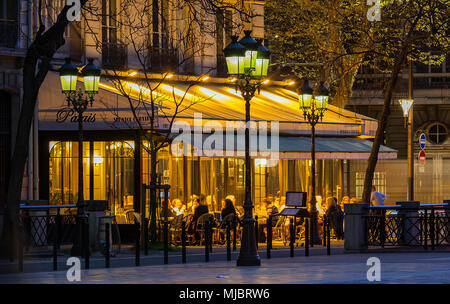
{"x":421,"y":81}
{"x":162,"y":60}
{"x":114,"y":56}
{"x":9,"y":33}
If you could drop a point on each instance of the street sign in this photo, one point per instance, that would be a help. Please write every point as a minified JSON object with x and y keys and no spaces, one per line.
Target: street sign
{"x":422,"y":158}
{"x":422,"y":139}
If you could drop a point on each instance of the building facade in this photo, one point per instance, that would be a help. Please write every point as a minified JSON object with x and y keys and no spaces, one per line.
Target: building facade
{"x":143,"y":45}
{"x":431,"y":94}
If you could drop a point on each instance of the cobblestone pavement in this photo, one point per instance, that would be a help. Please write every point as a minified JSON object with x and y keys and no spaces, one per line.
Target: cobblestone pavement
{"x":417,"y":268}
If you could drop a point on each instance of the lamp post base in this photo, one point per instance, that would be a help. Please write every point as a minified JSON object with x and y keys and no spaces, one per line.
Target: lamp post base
{"x":249,"y":260}
{"x":248,"y":256}
{"x":315,"y":236}
{"x":78,"y":248}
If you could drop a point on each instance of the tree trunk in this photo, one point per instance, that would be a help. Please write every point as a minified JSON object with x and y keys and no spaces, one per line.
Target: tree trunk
{"x":153,"y":205}
{"x":36,"y":67}
{"x":382,"y":122}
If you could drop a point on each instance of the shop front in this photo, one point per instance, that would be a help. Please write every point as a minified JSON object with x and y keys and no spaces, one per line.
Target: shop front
{"x":116,"y":158}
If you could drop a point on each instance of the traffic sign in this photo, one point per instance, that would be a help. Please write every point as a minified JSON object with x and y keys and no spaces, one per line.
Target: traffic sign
{"x":422,"y":139}
{"x":422,"y":158}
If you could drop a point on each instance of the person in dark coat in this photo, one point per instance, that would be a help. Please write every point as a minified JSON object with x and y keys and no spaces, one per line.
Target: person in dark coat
{"x":199,"y":210}
{"x":228,"y":209}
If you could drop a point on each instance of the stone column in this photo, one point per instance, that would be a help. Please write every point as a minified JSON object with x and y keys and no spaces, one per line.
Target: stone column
{"x":410,"y":214}
{"x":355,"y":229}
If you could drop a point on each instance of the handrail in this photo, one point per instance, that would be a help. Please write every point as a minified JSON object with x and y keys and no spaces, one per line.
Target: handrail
{"x":22,"y":206}
{"x":421,"y":207}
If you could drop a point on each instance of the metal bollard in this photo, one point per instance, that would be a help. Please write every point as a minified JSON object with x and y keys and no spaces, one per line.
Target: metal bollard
{"x":228,"y":242}
{"x":291,"y":237}
{"x":328,"y":238}
{"x":206,"y":228}
{"x":20,"y":249}
{"x":183,"y":242}
{"x":107,"y":245}
{"x":311,"y":230}
{"x":324,"y":231}
{"x":234,"y":233}
{"x":306,"y":236}
{"x":425,"y":227}
{"x":86,"y":245}
{"x":55,"y":246}
{"x":432,"y":229}
{"x":146,"y":236}
{"x":166,"y":241}
{"x":269,"y":236}
{"x":210,"y":234}
{"x":138,"y":244}
{"x":256,"y":231}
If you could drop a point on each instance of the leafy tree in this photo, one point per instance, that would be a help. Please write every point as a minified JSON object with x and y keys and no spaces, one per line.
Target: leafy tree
{"x":36,"y":65}
{"x":338,"y":34}
{"x":409,"y":30}
{"x":328,"y":33}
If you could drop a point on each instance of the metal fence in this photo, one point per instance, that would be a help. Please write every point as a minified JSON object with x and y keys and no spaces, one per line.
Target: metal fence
{"x":426,"y":226}
{"x":40,"y":227}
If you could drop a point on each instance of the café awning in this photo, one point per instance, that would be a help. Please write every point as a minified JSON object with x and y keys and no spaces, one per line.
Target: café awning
{"x":283,"y":147}
{"x":213,"y":100}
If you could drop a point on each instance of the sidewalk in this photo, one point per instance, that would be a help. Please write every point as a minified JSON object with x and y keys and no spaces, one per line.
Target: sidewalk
{"x":401,"y":268}
{"x":127,"y":257}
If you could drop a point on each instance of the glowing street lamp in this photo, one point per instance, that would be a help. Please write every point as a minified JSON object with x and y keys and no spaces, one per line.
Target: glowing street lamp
{"x":247,"y":62}
{"x":313,"y":105}
{"x":91,"y":77}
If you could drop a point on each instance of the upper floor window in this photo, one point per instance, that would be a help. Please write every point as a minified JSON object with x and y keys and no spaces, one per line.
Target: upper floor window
{"x":162,"y":53}
{"x":114,"y":53}
{"x":9,"y":28}
{"x":437,"y":133}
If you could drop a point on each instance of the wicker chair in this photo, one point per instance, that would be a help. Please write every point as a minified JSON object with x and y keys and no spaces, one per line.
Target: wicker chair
{"x":200,"y":228}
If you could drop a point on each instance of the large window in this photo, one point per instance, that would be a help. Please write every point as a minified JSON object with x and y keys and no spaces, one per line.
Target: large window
{"x":108,"y":173}
{"x":63,"y":172}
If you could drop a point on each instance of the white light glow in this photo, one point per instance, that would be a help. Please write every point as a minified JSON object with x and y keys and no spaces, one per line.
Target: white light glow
{"x":406,"y":105}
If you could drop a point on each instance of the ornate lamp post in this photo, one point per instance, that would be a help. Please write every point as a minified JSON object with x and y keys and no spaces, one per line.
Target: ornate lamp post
{"x":313,"y":104}
{"x":407,"y":107}
{"x":408,"y":111}
{"x":79,"y":101}
{"x":248,"y":60}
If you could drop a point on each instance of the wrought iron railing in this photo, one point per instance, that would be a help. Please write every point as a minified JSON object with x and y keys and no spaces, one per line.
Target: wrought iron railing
{"x":41,"y":228}
{"x":427,"y":225}
{"x":114,"y":56}
{"x":162,"y":60}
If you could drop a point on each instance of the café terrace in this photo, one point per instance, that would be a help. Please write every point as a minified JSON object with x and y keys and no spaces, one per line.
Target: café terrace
{"x":116,"y":157}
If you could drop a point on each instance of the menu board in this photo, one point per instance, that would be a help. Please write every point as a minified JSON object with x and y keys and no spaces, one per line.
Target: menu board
{"x":296,"y":199}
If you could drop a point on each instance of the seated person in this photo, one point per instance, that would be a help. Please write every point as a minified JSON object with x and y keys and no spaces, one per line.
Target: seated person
{"x":320,"y":207}
{"x":199,"y":210}
{"x":170,"y":211}
{"x":261,"y":212}
{"x":179,"y":208}
{"x":228,"y":209}
{"x":272,"y":210}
